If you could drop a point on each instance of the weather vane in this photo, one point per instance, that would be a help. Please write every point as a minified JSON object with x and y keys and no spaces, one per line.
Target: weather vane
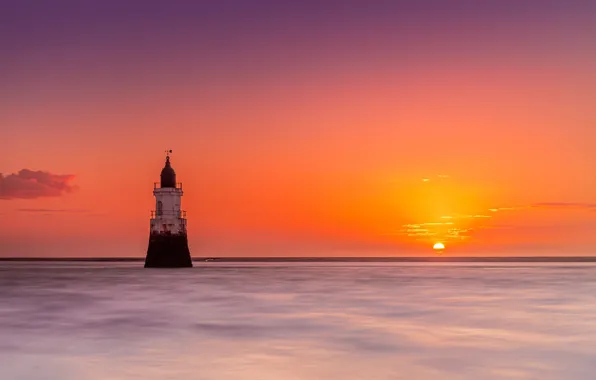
{"x":168,"y":151}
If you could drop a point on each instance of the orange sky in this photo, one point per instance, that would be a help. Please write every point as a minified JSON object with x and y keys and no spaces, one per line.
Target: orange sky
{"x":310,"y":138}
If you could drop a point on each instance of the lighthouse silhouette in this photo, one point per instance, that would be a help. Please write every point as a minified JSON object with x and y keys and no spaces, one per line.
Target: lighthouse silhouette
{"x":168,"y":242}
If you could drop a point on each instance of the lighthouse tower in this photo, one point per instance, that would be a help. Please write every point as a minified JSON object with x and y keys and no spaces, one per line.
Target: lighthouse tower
{"x":168,"y":243}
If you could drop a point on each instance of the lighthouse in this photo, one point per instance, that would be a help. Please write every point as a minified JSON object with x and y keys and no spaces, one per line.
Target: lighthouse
{"x":168,"y":243}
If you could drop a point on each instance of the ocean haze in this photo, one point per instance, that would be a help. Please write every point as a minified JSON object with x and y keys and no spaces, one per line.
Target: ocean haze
{"x":290,"y":320}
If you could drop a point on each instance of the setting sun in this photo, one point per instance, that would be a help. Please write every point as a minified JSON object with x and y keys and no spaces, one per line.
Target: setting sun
{"x":439,"y":246}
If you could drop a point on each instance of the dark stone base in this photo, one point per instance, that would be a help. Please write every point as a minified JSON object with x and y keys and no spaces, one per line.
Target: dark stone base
{"x":168,"y":251}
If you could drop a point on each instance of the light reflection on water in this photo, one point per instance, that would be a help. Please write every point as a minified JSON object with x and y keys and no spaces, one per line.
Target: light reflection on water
{"x":298,"y":321}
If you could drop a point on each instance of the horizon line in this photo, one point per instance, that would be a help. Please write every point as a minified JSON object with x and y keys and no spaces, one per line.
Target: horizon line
{"x":326,"y":259}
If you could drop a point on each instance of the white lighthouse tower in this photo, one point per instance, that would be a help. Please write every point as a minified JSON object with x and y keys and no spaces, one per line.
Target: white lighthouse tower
{"x":168,"y":242}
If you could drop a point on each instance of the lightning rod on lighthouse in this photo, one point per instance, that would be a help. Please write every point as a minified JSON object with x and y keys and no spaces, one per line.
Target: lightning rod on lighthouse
{"x":168,"y":242}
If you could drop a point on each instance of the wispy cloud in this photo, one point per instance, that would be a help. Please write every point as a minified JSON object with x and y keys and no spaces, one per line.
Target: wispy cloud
{"x":568,"y":205}
{"x":53,"y":211}
{"x":461,"y":216}
{"x":440,"y":176}
{"x":58,"y":211}
{"x":549,"y":205}
{"x":463,"y":226}
{"x":446,"y":230}
{"x":29,"y":184}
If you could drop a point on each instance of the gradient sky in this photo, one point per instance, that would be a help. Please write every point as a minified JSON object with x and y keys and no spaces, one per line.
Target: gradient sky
{"x":300,"y":128}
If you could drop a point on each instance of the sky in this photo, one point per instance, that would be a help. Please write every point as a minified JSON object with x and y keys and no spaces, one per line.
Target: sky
{"x":303,"y":128}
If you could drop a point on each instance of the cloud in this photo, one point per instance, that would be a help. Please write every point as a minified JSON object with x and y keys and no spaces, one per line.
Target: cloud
{"x":441,"y":176}
{"x":569,"y":205}
{"x":463,"y":216}
{"x":29,"y":184}
{"x":458,"y":227}
{"x":549,"y":205}
{"x":463,"y":226}
{"x":52,"y":210}
{"x":498,"y":209}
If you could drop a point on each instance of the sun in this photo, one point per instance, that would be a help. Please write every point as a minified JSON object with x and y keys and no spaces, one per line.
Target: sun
{"x":439,"y":246}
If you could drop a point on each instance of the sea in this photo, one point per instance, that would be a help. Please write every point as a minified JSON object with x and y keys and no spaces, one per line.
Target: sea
{"x":298,"y":321}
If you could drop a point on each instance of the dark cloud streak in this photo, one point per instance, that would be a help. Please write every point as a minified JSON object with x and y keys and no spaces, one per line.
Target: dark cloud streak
{"x":570,"y":205}
{"x":51,"y":210}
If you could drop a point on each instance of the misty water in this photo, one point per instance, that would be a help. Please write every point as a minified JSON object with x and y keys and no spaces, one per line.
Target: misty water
{"x":291,"y":321}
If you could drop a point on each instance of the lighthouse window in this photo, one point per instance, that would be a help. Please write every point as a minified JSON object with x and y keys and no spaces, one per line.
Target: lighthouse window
{"x":159,"y":208}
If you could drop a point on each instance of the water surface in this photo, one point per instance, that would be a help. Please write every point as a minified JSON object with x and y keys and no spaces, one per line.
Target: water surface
{"x":85,"y":320}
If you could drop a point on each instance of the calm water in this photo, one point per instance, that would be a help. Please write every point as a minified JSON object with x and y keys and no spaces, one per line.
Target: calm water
{"x":298,"y":321}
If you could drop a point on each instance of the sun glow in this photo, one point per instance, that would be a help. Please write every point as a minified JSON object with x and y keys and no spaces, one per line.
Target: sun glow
{"x":439,"y":246}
